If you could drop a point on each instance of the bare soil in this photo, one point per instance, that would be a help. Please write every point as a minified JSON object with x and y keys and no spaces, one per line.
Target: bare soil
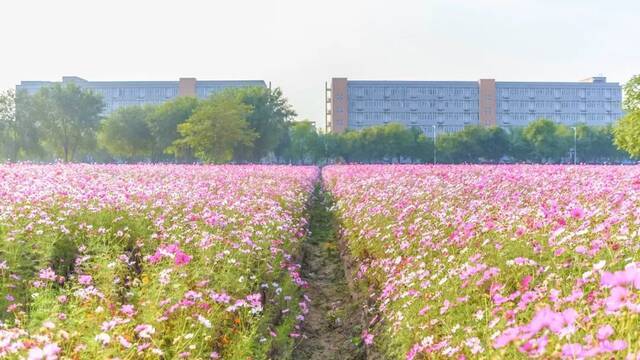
{"x":333,"y":325}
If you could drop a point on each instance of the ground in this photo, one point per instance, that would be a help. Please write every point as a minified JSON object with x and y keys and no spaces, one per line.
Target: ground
{"x":333,"y":325}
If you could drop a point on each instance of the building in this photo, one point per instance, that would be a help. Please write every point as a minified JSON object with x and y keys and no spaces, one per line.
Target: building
{"x":117,"y":94}
{"x":451,"y":105}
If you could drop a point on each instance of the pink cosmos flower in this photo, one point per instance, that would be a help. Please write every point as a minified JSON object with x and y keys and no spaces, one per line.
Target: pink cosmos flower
{"x":47,"y":274}
{"x":577,"y":213}
{"x":604,"y":332}
{"x":572,"y":351}
{"x":618,"y":298}
{"x":181,"y":258}
{"x":85,"y":279}
{"x":128,"y":310}
{"x":367,"y":338}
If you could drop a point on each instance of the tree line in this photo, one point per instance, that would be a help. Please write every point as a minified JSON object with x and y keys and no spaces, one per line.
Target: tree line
{"x":63,"y":122}
{"x":542,"y":141}
{"x":250,"y":125}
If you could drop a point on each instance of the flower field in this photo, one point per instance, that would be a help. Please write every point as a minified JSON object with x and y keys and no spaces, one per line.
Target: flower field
{"x":496,"y":262}
{"x":147,"y":261}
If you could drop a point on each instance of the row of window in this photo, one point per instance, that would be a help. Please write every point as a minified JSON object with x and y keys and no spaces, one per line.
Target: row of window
{"x":206,"y":91}
{"x":111,"y":106}
{"x":565,"y":118}
{"x":399,"y":104}
{"x":426,"y":128}
{"x":136,"y":92}
{"x":607,"y":93}
{"x":402,"y":92}
{"x":560,"y":104}
{"x":408,"y":117}
{"x":613,"y":106}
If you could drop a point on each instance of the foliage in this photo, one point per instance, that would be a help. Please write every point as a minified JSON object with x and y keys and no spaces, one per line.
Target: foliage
{"x":69,"y":116}
{"x":268,"y":118}
{"x":126,"y":133}
{"x":8,"y":129}
{"x":304,"y":143}
{"x":163,"y":123}
{"x":627,"y":134}
{"x":151,"y":261}
{"x":631,"y":101}
{"x":216,"y":128}
{"x":493,"y":262}
{"x":549,"y":141}
{"x":20,"y":133}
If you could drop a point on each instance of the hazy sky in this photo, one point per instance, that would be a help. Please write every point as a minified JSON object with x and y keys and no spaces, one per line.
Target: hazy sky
{"x":300,"y":44}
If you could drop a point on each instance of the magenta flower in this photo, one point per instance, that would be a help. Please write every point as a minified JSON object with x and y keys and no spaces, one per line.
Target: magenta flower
{"x":181,"y":258}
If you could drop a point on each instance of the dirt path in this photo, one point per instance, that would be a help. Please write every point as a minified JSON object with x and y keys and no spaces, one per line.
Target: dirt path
{"x":332,"y":327}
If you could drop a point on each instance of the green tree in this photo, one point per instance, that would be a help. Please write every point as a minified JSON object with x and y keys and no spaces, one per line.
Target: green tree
{"x":70,"y":117}
{"x":8,"y":129}
{"x":627,"y":134}
{"x":305,"y":146}
{"x":549,"y":141}
{"x":126,"y":133}
{"x":216,"y":127}
{"x":472,"y":144}
{"x":495,"y":143}
{"x":269,"y":114}
{"x":421,"y":147}
{"x":163,"y":123}
{"x":596,"y":144}
{"x":632,"y":94}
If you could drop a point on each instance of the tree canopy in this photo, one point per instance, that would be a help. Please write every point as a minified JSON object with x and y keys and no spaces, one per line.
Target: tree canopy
{"x":216,"y":127}
{"x":70,"y":117}
{"x":631,"y":101}
{"x":126,"y":133}
{"x":627,"y":134}
{"x":268,"y":118}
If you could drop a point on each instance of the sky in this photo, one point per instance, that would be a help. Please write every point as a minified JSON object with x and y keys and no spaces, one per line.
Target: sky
{"x":299,"y":44}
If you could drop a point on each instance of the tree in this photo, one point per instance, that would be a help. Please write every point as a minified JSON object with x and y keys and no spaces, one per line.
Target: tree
{"x":126,"y":133}
{"x":269,"y":114}
{"x":164,"y":120}
{"x":627,"y":134}
{"x":549,"y":141}
{"x":632,"y":94}
{"x":70,"y":116}
{"x":596,"y":144}
{"x":20,"y":132}
{"x":8,"y":128}
{"x":305,"y":146}
{"x":216,"y":127}
{"x":421,"y":147}
{"x":495,"y":144}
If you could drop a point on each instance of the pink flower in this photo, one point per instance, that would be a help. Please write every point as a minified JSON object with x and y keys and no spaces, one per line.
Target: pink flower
{"x":618,"y":298}
{"x":124,"y":342}
{"x":128,"y":310}
{"x":145,"y":331}
{"x":524,"y":283}
{"x":604,"y":332}
{"x":572,"y":351}
{"x":577,"y":213}
{"x":367,"y":338}
{"x":85,"y":279}
{"x":181,"y":258}
{"x":47,"y":274}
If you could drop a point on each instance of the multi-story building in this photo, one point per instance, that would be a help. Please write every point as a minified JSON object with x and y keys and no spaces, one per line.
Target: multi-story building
{"x":451,"y":105}
{"x":117,"y":94}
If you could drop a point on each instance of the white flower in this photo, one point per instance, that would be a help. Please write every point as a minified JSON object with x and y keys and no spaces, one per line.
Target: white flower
{"x":204,"y":321}
{"x":103,"y":338}
{"x":599,"y":265}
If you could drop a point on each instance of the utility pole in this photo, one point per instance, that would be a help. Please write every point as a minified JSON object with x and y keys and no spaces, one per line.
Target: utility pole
{"x":434,"y":143}
{"x":575,"y":145}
